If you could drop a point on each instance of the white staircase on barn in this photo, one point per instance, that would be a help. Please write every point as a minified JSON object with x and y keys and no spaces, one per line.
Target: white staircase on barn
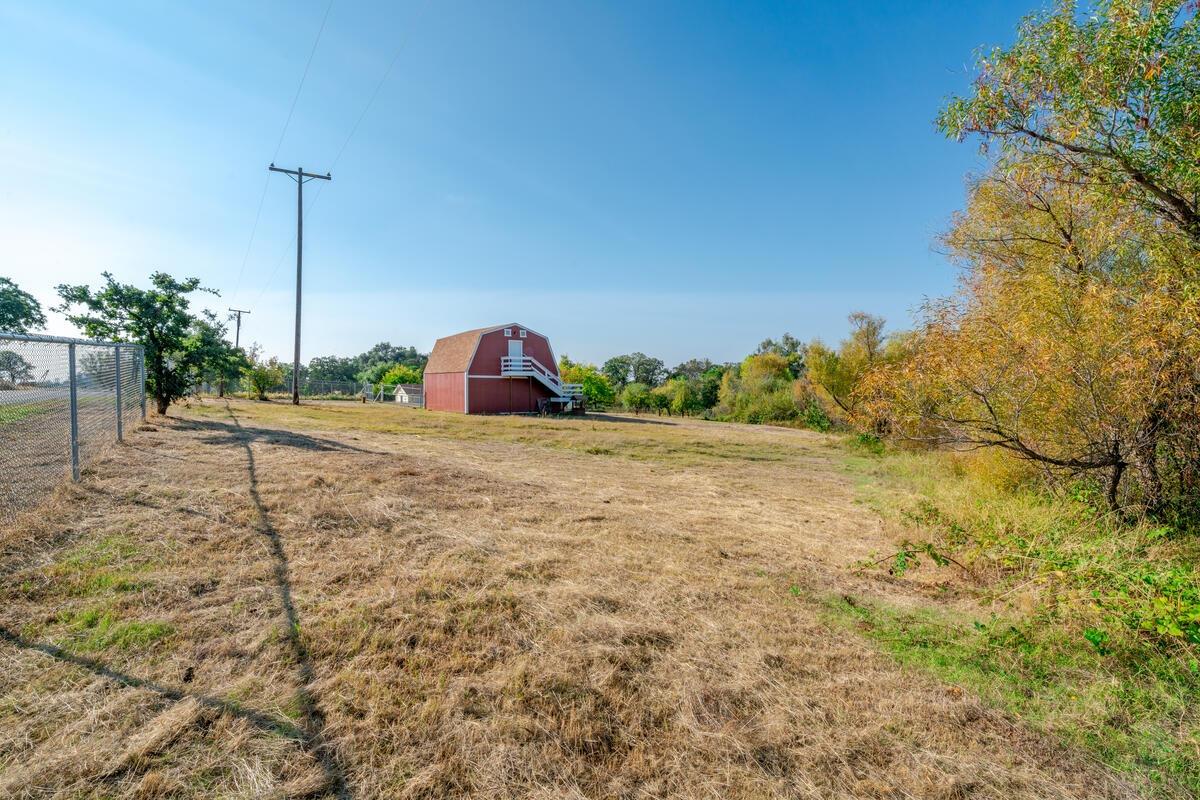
{"x":569,"y":394}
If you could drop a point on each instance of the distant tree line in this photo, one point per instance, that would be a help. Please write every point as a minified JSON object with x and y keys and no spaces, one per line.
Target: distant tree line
{"x":384,"y":363}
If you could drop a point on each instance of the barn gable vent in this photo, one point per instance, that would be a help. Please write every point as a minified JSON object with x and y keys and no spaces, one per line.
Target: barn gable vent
{"x":508,"y":331}
{"x":522,"y":333}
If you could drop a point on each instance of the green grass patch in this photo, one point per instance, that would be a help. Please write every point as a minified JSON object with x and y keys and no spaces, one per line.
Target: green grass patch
{"x":99,"y":628}
{"x":101,"y":566}
{"x":15,"y":412}
{"x":1098,"y":633}
{"x":1139,"y":717}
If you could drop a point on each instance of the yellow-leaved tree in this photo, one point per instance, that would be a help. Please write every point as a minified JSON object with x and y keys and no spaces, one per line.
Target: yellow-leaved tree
{"x":1070,"y":342}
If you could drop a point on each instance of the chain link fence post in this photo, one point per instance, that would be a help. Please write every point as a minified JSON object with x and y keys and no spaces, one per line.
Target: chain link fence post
{"x":117,"y":386}
{"x":74,"y":413}
{"x":56,"y":410}
{"x":142,"y":383}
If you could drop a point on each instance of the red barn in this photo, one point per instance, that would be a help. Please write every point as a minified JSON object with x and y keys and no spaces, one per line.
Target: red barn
{"x":506,"y":369}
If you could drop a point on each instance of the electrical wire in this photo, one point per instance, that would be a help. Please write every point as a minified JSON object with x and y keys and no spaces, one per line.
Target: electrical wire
{"x":361,"y":116}
{"x":303,"y":77}
{"x":286,"y":124}
{"x":354,"y":129}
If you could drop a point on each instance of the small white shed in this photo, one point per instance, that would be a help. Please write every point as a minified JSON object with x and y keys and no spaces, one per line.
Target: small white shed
{"x":408,"y":394}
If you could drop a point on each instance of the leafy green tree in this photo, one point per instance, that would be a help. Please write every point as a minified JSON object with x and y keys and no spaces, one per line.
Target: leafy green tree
{"x":401,"y":373}
{"x":387,"y":353}
{"x":660,"y":399}
{"x":692,"y":368}
{"x":708,"y":386}
{"x":20,"y":312}
{"x":14,"y":369}
{"x":262,"y":375}
{"x":838,"y":373}
{"x":335,"y":369}
{"x":647,"y":370}
{"x":375,"y":363}
{"x":682,"y":395}
{"x":212,"y":357}
{"x":635,"y":368}
{"x":759,"y":390}
{"x":635,"y":397}
{"x":789,"y":347}
{"x":617,"y":369}
{"x":596,"y":389}
{"x":375,"y":372}
{"x":1101,"y":95}
{"x":157,"y":318}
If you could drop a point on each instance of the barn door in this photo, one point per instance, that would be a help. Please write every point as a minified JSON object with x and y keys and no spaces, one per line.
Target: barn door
{"x":516,"y":349}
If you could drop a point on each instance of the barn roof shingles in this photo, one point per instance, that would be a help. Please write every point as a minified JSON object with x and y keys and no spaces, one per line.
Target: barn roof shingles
{"x":453,"y":353}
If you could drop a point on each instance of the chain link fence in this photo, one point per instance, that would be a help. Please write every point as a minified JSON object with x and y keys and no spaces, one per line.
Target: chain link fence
{"x":62,"y":403}
{"x":404,"y":394}
{"x":314,"y":390}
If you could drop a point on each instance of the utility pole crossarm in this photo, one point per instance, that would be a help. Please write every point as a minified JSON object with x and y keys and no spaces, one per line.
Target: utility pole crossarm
{"x":300,"y":173}
{"x":237,"y":338}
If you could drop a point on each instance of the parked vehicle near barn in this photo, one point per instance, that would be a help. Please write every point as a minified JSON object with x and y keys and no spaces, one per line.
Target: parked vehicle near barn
{"x":503,"y":369}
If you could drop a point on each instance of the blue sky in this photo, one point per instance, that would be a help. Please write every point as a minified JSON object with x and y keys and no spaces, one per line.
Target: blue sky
{"x":680,"y":178}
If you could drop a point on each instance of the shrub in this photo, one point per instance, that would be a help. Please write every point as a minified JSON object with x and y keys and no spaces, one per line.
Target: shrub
{"x":660,"y":399}
{"x":262,"y":376}
{"x":597,"y":389}
{"x":401,"y":373}
{"x":759,"y":408}
{"x":813,"y":415}
{"x":635,"y":397}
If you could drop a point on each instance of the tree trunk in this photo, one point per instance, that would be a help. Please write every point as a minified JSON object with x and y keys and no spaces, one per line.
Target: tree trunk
{"x":1114,"y":484}
{"x":162,"y":403}
{"x":1147,"y":464}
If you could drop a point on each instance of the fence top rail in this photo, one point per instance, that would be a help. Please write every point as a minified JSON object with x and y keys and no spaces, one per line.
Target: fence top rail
{"x":23,"y":337}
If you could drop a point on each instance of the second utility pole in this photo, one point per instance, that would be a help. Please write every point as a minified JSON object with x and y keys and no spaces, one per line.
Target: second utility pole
{"x":300,"y":177}
{"x":237,"y":339}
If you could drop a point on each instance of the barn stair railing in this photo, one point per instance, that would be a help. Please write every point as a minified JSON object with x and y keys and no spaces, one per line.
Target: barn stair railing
{"x":529,"y":367}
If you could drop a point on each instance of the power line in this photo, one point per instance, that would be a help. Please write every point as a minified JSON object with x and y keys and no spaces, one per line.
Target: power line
{"x":321,"y":188}
{"x":253,"y":230}
{"x":361,"y":116}
{"x":300,"y":88}
{"x":286,"y":124}
{"x":367,"y":107}
{"x":275,"y":271}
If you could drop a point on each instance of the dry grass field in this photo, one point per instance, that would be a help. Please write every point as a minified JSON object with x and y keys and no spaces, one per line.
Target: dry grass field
{"x":253,"y":600}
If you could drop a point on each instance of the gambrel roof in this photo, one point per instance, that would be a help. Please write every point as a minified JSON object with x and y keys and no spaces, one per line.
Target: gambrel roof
{"x":453,"y":353}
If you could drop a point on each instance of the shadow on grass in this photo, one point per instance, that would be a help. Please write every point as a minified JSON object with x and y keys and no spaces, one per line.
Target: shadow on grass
{"x":142,"y":502}
{"x":226,"y":433}
{"x":313,"y":719}
{"x":310,"y":731}
{"x":619,"y":418}
{"x":265,"y":722}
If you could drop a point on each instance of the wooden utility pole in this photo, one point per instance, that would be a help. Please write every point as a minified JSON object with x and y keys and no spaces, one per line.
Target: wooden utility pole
{"x":237,"y":340}
{"x":300,"y":177}
{"x":237,"y":335}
